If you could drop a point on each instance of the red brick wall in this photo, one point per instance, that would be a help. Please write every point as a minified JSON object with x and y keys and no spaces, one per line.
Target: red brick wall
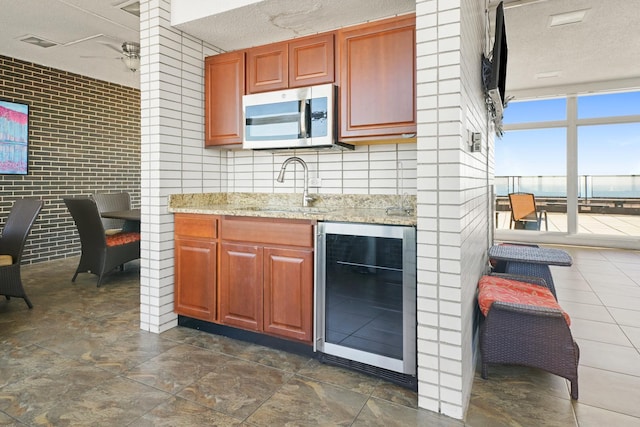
{"x":84,"y":137}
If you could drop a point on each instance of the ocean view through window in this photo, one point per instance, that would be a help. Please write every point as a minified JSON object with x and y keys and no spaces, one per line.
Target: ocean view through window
{"x":596,"y":138}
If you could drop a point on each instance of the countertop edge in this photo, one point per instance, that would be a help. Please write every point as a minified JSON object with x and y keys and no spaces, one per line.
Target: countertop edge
{"x":368,"y":216}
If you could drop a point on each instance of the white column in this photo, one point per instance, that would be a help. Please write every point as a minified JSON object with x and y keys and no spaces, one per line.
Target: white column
{"x":452,"y":192}
{"x":173,"y":157}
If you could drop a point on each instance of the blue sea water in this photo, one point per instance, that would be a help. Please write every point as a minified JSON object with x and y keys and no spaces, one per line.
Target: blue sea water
{"x":604,"y":186}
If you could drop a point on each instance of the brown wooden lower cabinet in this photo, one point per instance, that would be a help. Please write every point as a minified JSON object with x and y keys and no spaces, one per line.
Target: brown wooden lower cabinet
{"x":241,"y":286}
{"x":250,"y":273}
{"x":288,"y":292}
{"x":196,"y":266}
{"x":267,"y":285}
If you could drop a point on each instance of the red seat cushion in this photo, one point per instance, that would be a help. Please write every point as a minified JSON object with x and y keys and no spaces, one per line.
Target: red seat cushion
{"x":122,"y":238}
{"x":494,"y":288}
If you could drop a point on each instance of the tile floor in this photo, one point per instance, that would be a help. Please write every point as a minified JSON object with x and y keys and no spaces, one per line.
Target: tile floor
{"x":609,"y":224}
{"x":79,"y":359}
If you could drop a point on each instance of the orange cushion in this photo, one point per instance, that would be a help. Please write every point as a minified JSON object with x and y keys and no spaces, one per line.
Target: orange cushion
{"x":122,"y":238}
{"x":494,"y":288}
{"x":6,"y":260}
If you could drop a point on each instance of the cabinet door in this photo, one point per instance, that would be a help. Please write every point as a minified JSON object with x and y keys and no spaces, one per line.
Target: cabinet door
{"x":267,"y":68}
{"x":288,"y":293}
{"x":195,"y":278}
{"x":224,"y":87}
{"x":311,"y":61}
{"x":377,"y":79}
{"x":241,"y":285}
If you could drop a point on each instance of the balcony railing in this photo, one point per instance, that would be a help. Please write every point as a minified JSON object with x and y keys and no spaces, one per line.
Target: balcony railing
{"x":605,"y":194}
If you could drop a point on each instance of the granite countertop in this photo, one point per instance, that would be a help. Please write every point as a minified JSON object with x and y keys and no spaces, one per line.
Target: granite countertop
{"x":373,"y":209}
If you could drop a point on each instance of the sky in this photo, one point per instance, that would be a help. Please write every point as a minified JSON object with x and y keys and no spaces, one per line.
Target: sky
{"x":602,"y":149}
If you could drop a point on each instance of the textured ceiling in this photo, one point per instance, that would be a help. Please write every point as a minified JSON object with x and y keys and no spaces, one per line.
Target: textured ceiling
{"x":88,"y":35}
{"x":601,"y":53}
{"x":276,"y":20}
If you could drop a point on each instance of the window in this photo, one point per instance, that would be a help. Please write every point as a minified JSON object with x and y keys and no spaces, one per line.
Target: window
{"x":608,"y":105}
{"x":532,"y":161}
{"x":536,"y":111}
{"x":601,"y":142}
{"x":609,"y":149}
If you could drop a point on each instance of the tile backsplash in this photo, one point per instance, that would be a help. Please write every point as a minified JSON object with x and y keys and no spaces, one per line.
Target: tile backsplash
{"x":369,"y":169}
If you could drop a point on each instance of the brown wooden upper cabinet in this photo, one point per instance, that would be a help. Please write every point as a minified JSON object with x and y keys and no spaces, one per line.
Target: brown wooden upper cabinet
{"x":224,"y":85}
{"x":377,"y":79}
{"x":301,"y":62}
{"x":375,"y":65}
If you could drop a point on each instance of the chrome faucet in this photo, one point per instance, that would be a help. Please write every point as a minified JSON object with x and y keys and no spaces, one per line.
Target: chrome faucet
{"x":306,"y":197}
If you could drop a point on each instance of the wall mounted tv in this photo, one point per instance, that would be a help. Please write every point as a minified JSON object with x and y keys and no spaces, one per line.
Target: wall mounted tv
{"x":14,"y":138}
{"x":494,"y":73}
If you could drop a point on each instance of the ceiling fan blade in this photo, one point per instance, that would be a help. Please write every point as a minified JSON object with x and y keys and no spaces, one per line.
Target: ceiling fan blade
{"x":112,"y":47}
{"x":100,"y":57}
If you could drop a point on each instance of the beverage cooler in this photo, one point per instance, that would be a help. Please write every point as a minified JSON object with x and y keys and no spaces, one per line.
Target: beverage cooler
{"x":366,"y":299}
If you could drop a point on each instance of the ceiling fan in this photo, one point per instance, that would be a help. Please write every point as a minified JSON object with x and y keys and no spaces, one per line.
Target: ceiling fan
{"x":129,"y":54}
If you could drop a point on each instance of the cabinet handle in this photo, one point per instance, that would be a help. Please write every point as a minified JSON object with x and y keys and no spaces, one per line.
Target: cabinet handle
{"x":303,"y":118}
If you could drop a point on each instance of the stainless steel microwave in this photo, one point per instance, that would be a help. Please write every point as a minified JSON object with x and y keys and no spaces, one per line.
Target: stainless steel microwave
{"x":291,"y":119}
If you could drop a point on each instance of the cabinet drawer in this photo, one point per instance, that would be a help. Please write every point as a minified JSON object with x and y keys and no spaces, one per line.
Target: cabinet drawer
{"x":268,"y":230}
{"x":194,"y":225}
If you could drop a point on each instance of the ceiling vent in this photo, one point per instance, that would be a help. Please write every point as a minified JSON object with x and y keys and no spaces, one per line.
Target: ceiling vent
{"x":37,"y":41}
{"x":132,"y":8}
{"x":547,"y":75}
{"x":567,"y":18}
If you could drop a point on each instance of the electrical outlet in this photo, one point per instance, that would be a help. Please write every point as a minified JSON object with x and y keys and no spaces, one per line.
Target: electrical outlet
{"x":476,"y":142}
{"x":315,"y":182}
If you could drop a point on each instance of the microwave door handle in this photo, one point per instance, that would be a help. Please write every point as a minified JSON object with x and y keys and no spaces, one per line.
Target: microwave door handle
{"x":303,"y":118}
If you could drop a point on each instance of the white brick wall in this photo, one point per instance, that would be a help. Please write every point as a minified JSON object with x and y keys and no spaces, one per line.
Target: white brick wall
{"x":366,"y":170}
{"x":173,"y":158}
{"x":452,"y":199}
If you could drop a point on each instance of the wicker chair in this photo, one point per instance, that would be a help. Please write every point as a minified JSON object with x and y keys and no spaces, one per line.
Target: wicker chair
{"x":14,"y":236}
{"x":527,"y":335}
{"x":101,"y":253}
{"x":108,"y":202}
{"x":526,"y":269}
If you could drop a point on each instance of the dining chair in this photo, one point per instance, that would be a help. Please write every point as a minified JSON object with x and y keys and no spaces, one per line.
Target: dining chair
{"x":101,"y":253}
{"x":524,"y":212}
{"x":108,"y":202}
{"x":21,"y":218}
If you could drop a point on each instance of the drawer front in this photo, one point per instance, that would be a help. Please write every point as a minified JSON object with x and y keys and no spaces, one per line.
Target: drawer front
{"x":268,"y":230}
{"x":194,"y":225}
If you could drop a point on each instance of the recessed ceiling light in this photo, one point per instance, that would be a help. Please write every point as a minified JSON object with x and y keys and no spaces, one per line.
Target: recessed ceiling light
{"x":567,"y":18}
{"x":547,"y":75}
{"x":37,"y":41}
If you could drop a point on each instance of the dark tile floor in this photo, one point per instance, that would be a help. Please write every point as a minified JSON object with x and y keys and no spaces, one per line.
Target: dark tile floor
{"x":79,"y":358}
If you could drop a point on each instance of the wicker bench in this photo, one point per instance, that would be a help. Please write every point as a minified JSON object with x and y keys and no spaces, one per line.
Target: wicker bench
{"x":524,"y":325}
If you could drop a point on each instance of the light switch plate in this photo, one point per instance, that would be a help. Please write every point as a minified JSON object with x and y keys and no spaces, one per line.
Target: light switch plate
{"x":476,"y":142}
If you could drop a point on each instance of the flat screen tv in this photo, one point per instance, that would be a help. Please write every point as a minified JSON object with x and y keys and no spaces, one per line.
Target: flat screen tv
{"x":494,"y":72}
{"x":14,"y":138}
{"x":498,"y":77}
